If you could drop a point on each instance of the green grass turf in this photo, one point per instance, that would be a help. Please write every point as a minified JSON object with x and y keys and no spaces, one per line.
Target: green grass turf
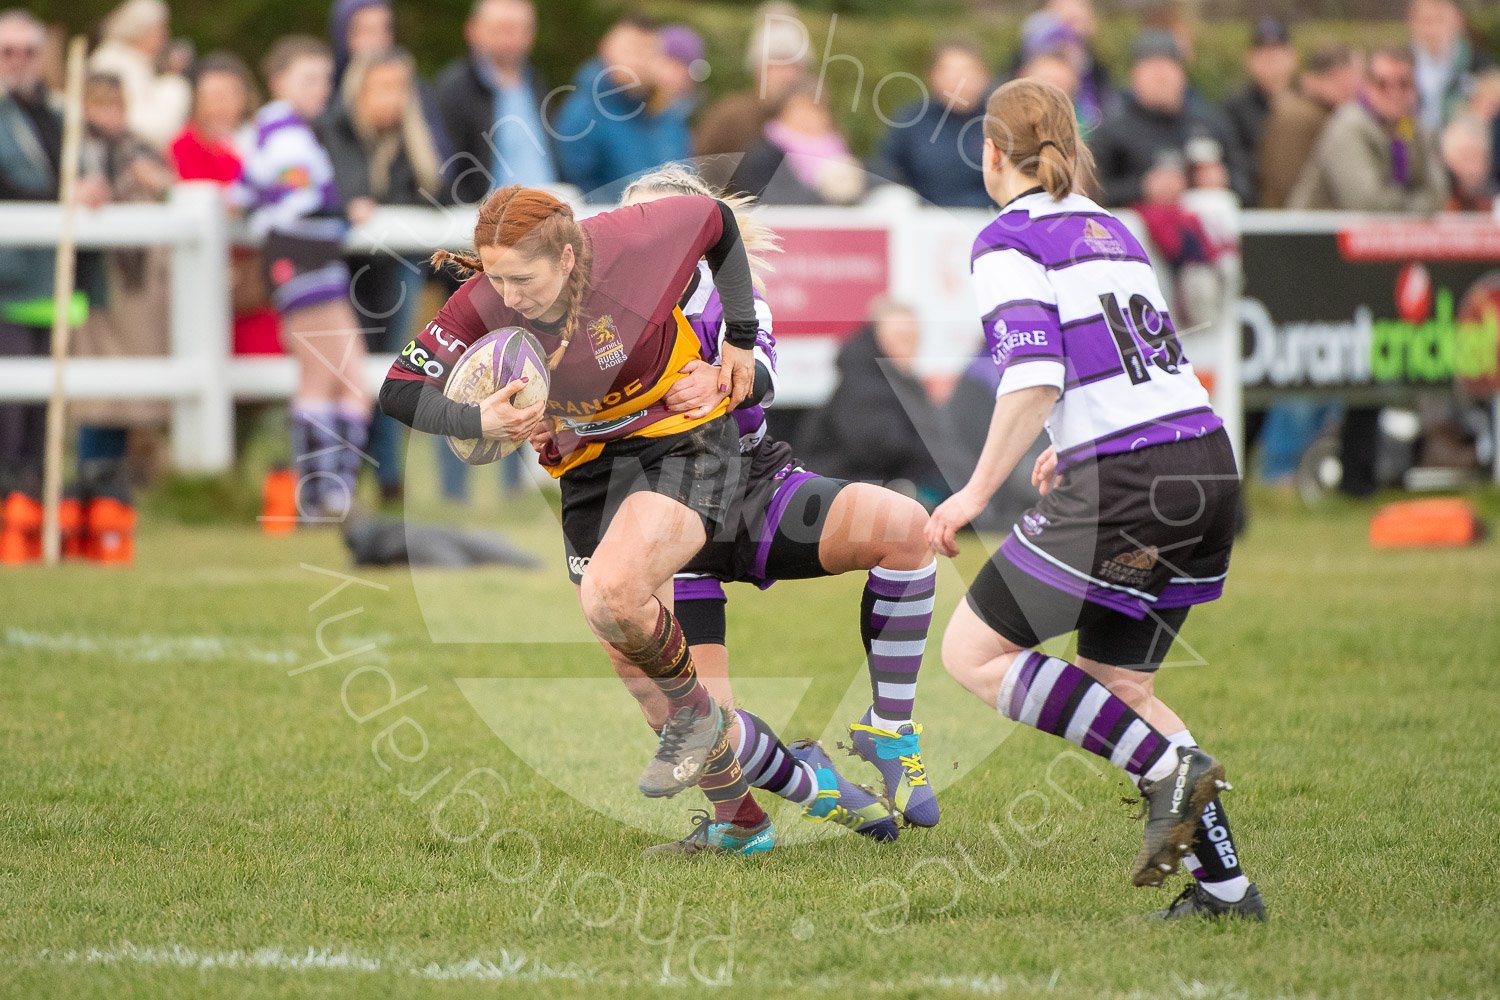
{"x":183,"y":815}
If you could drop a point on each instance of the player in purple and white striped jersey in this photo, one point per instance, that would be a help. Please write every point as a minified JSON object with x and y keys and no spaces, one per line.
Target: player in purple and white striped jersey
{"x":799,"y":525}
{"x":286,"y":188}
{"x":1139,"y":491}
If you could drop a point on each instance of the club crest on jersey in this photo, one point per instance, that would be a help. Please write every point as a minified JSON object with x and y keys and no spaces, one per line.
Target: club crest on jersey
{"x":605,"y":338}
{"x":1132,"y":567}
{"x":1101,"y":240}
{"x":1033,"y":522}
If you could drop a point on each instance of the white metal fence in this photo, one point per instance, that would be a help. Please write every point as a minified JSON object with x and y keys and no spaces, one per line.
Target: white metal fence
{"x":927,"y":268}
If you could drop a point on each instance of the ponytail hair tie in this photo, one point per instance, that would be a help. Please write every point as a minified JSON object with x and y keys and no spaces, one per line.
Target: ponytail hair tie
{"x":1049,"y":142}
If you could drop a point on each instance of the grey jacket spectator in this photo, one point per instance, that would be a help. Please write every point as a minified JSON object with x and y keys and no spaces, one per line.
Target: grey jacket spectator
{"x":1158,"y":121}
{"x":1373,"y":156}
{"x":491,"y":104}
{"x":1297,"y":119}
{"x":936,"y":144}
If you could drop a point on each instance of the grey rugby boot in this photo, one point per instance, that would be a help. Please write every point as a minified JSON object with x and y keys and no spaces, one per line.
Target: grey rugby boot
{"x":1195,"y":901}
{"x":683,"y":750}
{"x":1173,"y":806}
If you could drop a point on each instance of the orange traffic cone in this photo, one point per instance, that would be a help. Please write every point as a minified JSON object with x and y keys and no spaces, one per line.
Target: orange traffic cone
{"x":21,"y":534}
{"x":278,"y":512}
{"x":111,"y":531}
{"x":70,"y":525}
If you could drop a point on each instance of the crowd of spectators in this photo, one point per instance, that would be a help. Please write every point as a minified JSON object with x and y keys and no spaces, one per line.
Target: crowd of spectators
{"x":1409,"y":128}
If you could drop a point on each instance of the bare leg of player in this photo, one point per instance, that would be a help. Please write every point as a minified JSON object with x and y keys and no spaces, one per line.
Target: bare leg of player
{"x":331,"y":410}
{"x":626,"y":597}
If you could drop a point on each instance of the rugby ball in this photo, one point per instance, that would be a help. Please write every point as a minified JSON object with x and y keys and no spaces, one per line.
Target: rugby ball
{"x":493,"y":362}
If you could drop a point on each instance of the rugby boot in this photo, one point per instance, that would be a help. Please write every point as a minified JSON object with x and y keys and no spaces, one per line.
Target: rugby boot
{"x":1172,"y":807}
{"x":682,"y":751}
{"x":841,"y":801}
{"x":897,"y":755}
{"x":711,"y":837}
{"x":1196,"y":901}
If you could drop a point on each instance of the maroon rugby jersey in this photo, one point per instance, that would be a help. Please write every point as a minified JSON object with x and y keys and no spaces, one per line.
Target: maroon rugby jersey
{"x":631,"y":340}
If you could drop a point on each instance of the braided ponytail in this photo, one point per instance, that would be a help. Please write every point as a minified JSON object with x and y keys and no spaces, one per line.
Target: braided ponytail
{"x":583,"y":259}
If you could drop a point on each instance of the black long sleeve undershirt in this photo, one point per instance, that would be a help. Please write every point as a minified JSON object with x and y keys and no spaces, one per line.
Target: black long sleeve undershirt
{"x":731,"y":270}
{"x":423,"y":407}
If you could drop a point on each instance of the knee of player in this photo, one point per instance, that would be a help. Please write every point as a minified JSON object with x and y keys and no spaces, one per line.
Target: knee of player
{"x":608,"y":597}
{"x":1133,"y":687}
{"x":906,"y":535}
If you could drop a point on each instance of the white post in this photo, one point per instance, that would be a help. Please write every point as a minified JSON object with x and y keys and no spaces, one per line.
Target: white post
{"x":203,"y":423}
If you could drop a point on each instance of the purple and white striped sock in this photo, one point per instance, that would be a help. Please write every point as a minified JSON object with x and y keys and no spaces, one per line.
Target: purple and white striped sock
{"x":895,"y":615}
{"x":1057,"y":697}
{"x":768,"y":764}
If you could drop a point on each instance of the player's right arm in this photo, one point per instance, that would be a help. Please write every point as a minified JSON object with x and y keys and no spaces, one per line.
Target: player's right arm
{"x":413,"y":389}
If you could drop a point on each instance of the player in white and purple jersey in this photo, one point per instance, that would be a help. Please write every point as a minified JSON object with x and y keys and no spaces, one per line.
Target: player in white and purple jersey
{"x":1139,"y":491}
{"x":796,"y":524}
{"x":286,"y":188}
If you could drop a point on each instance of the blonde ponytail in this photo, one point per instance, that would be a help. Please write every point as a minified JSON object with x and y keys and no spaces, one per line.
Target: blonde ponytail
{"x":1033,"y":123}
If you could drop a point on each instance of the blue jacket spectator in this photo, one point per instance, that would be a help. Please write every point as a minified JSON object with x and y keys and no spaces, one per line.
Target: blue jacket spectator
{"x":935,"y":145}
{"x":610,"y":128}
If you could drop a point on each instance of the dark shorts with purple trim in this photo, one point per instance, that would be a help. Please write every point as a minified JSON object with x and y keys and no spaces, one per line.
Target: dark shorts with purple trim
{"x":699,"y":468}
{"x":1118,"y":551}
{"x":306,"y":268}
{"x":775,"y":533}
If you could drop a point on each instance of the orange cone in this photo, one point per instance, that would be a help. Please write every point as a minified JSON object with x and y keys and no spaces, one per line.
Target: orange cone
{"x":278,"y":512}
{"x":70,"y":525}
{"x":21,"y":535}
{"x":111,"y":531}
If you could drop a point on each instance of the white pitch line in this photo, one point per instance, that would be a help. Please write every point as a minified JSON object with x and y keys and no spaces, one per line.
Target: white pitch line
{"x":506,"y":965}
{"x":162,"y":648}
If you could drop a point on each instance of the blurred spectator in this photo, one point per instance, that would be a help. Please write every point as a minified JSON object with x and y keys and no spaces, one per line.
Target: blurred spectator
{"x":1140,"y":151}
{"x":356,"y":28}
{"x":1374,"y":156}
{"x":964,"y":436}
{"x":292,"y":201}
{"x":30,"y":150}
{"x":1443,"y":59}
{"x":777,"y":59}
{"x":1056,"y":69}
{"x":130,"y":295}
{"x":495,"y":85}
{"x":878,"y":425}
{"x":1271,"y":65}
{"x":936,"y":143}
{"x":611,"y":127}
{"x":136,"y":35}
{"x":1066,"y":29}
{"x":802,"y":159}
{"x":1465,"y":147}
{"x":383,"y":153}
{"x":1297,"y":117}
{"x":682,"y":55}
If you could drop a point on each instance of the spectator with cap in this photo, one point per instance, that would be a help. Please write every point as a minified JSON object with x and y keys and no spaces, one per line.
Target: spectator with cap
{"x":1297,"y":118}
{"x":1443,"y":59}
{"x":1271,"y":65}
{"x":612,"y":126}
{"x":777,"y":59}
{"x":1066,"y":29}
{"x":356,"y":28}
{"x":934,"y":145}
{"x":1141,"y":150}
{"x":679,"y":70}
{"x":1374,"y":155}
{"x":136,"y":36}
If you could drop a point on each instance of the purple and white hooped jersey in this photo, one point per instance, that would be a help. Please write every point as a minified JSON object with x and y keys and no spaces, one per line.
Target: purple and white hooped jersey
{"x":287,"y":177}
{"x":705,"y":314}
{"x":1069,"y":300}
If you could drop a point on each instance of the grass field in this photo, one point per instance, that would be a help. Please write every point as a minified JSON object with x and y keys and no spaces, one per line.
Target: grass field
{"x":203,"y":796}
